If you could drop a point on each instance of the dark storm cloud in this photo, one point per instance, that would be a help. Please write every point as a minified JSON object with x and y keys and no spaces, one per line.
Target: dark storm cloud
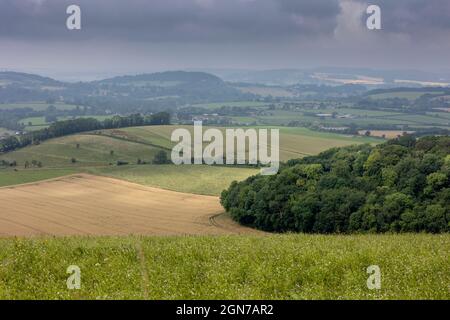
{"x":171,"y":20}
{"x":209,"y":20}
{"x":134,"y":35}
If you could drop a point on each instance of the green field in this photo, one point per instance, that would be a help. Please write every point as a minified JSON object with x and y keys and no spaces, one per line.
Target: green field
{"x":242,"y":104}
{"x":360,"y":118}
{"x":9,"y":177}
{"x":440,"y":119}
{"x":294,"y":142}
{"x":151,"y":135}
{"x":93,"y":155}
{"x":93,"y":151}
{"x":402,"y":95}
{"x":208,"y":180}
{"x":266,"y":91}
{"x":35,"y":128}
{"x":345,"y":114}
{"x":37,"y":106}
{"x":99,"y":118}
{"x":233,"y":267}
{"x":300,"y":142}
{"x":131,"y":144}
{"x":33,"y":121}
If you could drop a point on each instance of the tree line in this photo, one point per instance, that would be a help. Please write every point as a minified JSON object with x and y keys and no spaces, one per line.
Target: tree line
{"x":63,"y":128}
{"x":402,"y":185}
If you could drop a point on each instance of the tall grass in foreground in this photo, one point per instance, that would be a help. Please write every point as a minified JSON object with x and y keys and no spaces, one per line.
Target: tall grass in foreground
{"x":234,"y":267}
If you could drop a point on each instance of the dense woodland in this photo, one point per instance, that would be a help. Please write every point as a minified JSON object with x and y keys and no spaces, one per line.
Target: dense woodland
{"x":399,"y":186}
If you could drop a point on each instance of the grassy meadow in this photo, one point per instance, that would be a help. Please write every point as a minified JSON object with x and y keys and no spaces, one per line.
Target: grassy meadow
{"x":206,"y":180}
{"x":294,"y":142}
{"x":99,"y":152}
{"x":274,"y":114}
{"x":361,"y":117}
{"x":411,"y":95}
{"x":131,"y":144}
{"x":36,"y":106}
{"x":93,"y":150}
{"x":413,"y":266}
{"x":10,"y":177}
{"x":241,"y":104}
{"x":33,"y":121}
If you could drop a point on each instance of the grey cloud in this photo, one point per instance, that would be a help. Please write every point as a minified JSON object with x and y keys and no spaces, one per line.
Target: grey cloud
{"x":171,"y":20}
{"x":161,"y":34}
{"x":211,"y":20}
{"x":316,"y":8}
{"x":419,"y":19}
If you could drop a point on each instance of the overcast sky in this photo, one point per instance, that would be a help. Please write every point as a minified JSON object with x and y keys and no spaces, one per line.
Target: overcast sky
{"x":135,"y":36}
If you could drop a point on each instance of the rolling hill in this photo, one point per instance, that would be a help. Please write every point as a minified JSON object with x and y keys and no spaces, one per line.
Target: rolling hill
{"x":130,"y":144}
{"x":175,"y":86}
{"x":99,"y":152}
{"x":27,"y":80}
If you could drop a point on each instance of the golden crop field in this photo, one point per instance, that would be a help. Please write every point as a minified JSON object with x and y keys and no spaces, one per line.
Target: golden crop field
{"x":89,"y":205}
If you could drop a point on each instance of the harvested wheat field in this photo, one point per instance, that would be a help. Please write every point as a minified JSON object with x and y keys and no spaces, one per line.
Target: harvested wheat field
{"x":83,"y":204}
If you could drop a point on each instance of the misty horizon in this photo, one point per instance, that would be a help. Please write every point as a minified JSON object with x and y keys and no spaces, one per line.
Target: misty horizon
{"x":223,"y":73}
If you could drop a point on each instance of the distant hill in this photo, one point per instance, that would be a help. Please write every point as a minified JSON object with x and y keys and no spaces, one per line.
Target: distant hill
{"x":276,"y":77}
{"x":24,"y":87}
{"x":132,"y":92}
{"x":337,"y":76}
{"x":26,"y":79}
{"x":169,"y":76}
{"x":185,"y":87}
